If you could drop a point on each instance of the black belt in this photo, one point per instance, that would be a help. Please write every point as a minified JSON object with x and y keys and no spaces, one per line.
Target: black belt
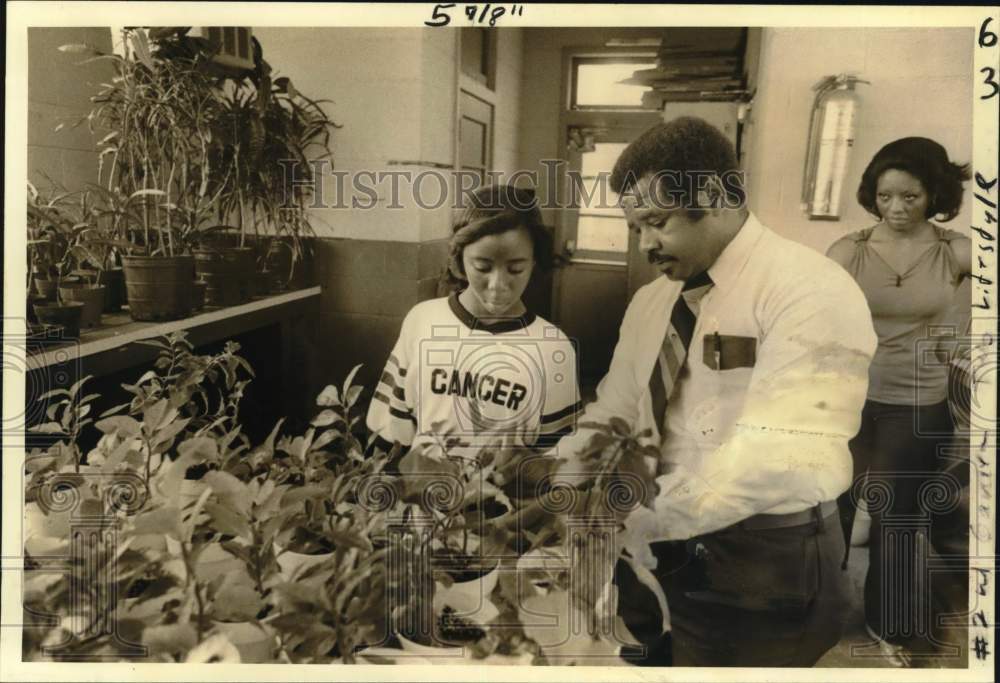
{"x":674,"y":553}
{"x":813,"y":514}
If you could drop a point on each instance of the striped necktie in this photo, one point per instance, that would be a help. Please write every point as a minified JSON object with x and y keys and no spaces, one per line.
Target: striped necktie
{"x":676,"y":341}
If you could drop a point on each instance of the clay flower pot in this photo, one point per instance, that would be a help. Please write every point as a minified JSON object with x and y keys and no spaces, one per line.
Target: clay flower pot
{"x":91,"y":296}
{"x":159,"y":288}
{"x":66,"y":315}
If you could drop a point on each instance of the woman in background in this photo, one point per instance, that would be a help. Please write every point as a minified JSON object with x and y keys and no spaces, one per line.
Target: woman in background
{"x":909,"y":269}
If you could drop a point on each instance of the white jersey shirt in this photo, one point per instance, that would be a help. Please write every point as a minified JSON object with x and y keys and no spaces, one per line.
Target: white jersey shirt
{"x":451,"y":376}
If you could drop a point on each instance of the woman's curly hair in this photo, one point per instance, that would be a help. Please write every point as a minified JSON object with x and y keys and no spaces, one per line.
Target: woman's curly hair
{"x":927,"y":161}
{"x":492,"y":210}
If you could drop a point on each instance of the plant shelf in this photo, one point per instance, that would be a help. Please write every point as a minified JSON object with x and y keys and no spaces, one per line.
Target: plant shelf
{"x":118,"y":332}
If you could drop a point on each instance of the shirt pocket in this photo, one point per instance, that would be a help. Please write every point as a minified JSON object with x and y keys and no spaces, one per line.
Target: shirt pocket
{"x":728,"y":351}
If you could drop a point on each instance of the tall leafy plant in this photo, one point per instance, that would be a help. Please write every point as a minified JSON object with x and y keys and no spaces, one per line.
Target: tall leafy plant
{"x":156,"y":116}
{"x":272,"y":132}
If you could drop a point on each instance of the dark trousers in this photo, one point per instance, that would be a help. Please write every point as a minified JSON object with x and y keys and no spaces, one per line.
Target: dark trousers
{"x":897,"y":450}
{"x":740,"y":597}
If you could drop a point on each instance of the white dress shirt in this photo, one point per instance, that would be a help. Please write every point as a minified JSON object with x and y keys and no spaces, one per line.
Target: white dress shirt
{"x":767,"y":438}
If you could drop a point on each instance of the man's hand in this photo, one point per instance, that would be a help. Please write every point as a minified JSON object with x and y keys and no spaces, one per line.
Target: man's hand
{"x":525,"y":473}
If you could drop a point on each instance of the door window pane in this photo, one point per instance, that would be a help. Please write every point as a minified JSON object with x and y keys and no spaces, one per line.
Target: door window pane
{"x":596,"y":83}
{"x":602,"y":159}
{"x":601,"y":225}
{"x":602,"y":233}
{"x":478,"y":50}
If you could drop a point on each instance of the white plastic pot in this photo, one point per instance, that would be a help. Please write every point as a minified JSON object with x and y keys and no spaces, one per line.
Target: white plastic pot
{"x":255,"y":643}
{"x":469,"y":599}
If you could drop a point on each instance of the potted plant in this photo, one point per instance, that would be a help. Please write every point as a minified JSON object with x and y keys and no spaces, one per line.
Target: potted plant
{"x":198,"y":574}
{"x":459,"y":497}
{"x":268,"y":120}
{"x":48,"y":223}
{"x":157,"y":115}
{"x":100,"y":244}
{"x":49,"y":228}
{"x":324,"y":467}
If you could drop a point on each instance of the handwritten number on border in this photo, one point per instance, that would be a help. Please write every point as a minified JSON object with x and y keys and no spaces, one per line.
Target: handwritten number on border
{"x":987,"y":38}
{"x":439,"y":18}
{"x":991,"y":80}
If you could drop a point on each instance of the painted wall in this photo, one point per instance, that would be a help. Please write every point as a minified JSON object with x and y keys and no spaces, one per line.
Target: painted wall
{"x":372,"y":78}
{"x":921,"y":84}
{"x":59,"y":88}
{"x":395,"y":92}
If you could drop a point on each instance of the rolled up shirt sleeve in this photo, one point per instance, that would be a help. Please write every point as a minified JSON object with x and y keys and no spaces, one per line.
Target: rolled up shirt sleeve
{"x":789,"y":447}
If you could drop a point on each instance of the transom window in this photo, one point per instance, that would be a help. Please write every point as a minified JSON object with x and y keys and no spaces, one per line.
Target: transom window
{"x":596,"y":82}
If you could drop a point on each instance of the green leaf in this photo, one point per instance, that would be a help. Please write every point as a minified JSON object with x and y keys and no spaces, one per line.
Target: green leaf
{"x":117,"y":456}
{"x":170,"y":639}
{"x":51,"y":394}
{"x":349,"y":381}
{"x":352,"y":396}
{"x":620,"y":427}
{"x":268,"y":445}
{"x":163,"y":521}
{"x":597,"y":443}
{"x":79,"y":383}
{"x":230,"y":490}
{"x":347,"y":535}
{"x":153,"y":414}
{"x":243,"y":552}
{"x":299,"y":494}
{"x":147,"y":193}
{"x":330,"y":396}
{"x":141,"y":45}
{"x":324,"y":438}
{"x":47,"y":428}
{"x":228,"y":521}
{"x":122,"y":424}
{"x":167,"y":434}
{"x":200,"y":449}
{"x":325,"y":418}
{"x":237,"y":601}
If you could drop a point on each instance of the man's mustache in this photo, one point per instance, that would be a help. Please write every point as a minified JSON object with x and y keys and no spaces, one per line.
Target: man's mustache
{"x":655,"y":257}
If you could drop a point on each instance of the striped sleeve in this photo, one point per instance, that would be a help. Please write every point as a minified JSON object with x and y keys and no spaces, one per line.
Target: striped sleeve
{"x":391,"y":415}
{"x":562,"y":405}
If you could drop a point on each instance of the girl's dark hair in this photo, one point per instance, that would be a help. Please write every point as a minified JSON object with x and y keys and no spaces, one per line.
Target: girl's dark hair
{"x":928,"y":162}
{"x":492,"y":210}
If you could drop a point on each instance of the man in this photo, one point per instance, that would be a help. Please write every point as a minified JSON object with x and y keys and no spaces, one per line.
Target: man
{"x":748,"y":363}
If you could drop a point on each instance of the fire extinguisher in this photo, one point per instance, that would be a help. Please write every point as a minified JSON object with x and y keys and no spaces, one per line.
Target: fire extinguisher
{"x":831,"y":136}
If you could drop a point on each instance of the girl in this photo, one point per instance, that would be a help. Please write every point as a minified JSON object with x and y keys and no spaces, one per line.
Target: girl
{"x":477,"y":367}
